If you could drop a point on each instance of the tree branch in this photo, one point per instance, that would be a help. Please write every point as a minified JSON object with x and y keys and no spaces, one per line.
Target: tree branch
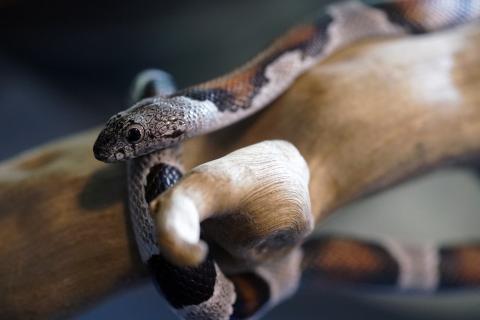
{"x":366,"y":118}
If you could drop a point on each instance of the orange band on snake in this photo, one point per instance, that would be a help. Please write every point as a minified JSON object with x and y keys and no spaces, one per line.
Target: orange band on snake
{"x":163,"y":121}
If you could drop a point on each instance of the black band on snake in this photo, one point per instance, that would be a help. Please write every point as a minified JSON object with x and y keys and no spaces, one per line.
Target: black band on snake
{"x":149,"y":133}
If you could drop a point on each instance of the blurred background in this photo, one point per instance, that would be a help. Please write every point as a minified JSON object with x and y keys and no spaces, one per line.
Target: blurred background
{"x":66,"y":66}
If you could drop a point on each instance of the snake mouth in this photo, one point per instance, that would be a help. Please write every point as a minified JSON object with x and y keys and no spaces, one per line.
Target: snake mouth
{"x":110,"y":158}
{"x":105,"y":158}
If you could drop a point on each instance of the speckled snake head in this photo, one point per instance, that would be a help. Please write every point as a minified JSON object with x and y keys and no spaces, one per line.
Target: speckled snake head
{"x":150,"y":125}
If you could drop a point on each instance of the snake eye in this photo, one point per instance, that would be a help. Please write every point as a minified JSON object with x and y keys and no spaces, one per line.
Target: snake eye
{"x":134,"y":133}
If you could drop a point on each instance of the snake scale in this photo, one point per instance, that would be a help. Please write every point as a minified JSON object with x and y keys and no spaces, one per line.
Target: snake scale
{"x":149,"y":134}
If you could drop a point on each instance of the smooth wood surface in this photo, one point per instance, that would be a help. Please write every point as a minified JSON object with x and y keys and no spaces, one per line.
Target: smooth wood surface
{"x":368,"y":117}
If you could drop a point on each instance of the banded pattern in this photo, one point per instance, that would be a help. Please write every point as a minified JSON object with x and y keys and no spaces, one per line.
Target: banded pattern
{"x":429,"y":15}
{"x":228,"y":99}
{"x":237,"y":90}
{"x":423,"y":268}
{"x":458,"y":266}
{"x":206,"y":293}
{"x":334,"y":258}
{"x":342,"y":24}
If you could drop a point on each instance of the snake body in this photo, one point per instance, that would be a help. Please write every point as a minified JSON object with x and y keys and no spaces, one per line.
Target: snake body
{"x":205,"y":292}
{"x":159,"y":122}
{"x":148,"y":133}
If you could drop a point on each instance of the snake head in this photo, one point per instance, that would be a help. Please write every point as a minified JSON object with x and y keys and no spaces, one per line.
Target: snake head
{"x":152,"y":124}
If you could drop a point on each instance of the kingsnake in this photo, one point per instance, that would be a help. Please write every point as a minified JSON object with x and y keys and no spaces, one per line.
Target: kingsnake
{"x":149,"y":134}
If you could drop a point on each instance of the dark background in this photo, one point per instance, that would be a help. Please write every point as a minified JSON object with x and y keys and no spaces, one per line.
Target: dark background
{"x":66,"y":66}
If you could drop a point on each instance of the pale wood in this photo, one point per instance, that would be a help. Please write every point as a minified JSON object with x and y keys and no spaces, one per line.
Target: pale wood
{"x":366,"y":118}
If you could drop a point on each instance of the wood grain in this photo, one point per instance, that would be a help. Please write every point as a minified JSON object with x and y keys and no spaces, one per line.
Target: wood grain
{"x":368,"y":117}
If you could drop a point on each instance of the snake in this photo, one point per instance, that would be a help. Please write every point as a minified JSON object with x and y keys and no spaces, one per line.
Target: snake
{"x":148,"y":136}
